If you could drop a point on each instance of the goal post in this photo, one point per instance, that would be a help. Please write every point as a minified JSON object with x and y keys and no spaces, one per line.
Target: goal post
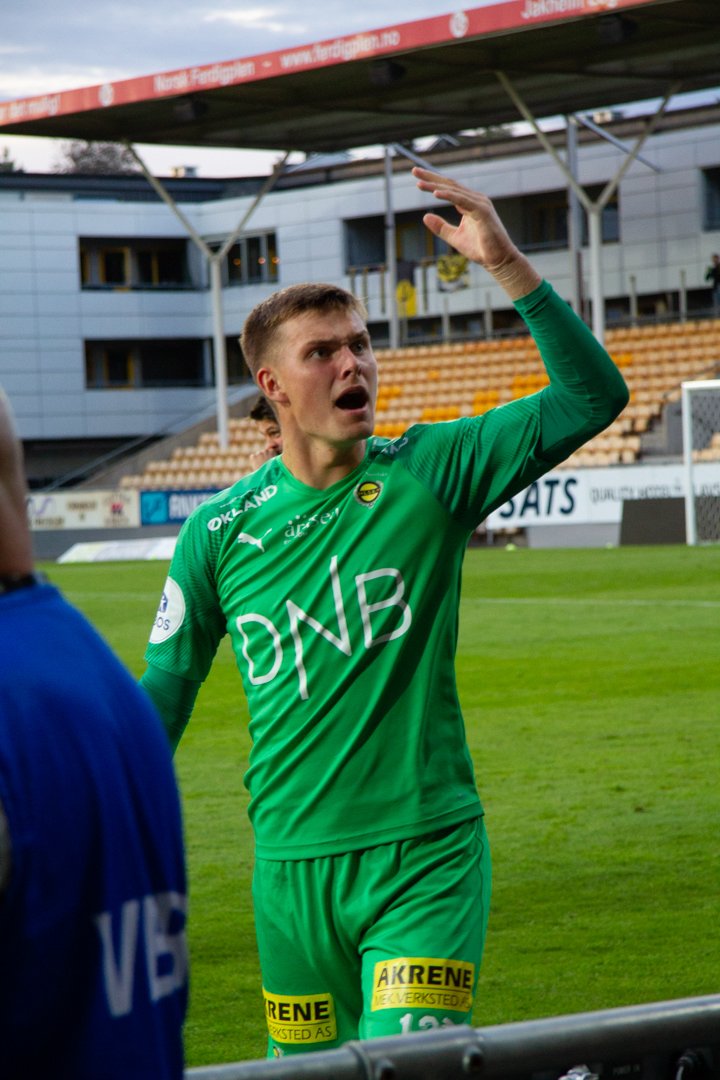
{"x":701,"y":456}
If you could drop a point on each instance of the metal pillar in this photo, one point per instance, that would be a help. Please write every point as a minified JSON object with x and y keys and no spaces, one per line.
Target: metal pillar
{"x":574,"y":220}
{"x":390,"y":253}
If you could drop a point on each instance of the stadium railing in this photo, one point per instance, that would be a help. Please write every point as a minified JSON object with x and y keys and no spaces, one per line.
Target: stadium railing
{"x":671,"y":1040}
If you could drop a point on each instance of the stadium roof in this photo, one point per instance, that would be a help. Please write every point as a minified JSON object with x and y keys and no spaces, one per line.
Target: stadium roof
{"x":404,"y":81}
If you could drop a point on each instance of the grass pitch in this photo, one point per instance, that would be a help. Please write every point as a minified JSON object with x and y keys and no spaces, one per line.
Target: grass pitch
{"x":589,"y":680}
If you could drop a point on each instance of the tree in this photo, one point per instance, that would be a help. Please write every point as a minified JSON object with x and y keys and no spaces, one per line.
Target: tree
{"x":98,"y":158}
{"x":7,"y":165}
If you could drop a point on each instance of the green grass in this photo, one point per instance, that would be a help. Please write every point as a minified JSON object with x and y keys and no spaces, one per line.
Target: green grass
{"x":589,"y":680}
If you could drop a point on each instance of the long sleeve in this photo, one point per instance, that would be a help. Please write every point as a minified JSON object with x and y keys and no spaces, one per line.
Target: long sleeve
{"x":173,"y":697}
{"x":586,"y":392}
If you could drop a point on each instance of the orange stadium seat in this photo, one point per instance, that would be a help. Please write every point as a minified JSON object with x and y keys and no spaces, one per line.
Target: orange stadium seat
{"x":448,"y":380}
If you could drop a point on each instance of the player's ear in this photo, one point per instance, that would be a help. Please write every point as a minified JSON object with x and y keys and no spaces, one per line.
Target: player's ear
{"x":270,"y":384}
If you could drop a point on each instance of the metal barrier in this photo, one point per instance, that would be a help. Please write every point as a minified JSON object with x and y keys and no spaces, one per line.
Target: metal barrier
{"x":672,"y":1040}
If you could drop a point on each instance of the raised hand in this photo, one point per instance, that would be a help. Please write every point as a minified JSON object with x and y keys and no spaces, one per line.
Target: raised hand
{"x":481,"y":235}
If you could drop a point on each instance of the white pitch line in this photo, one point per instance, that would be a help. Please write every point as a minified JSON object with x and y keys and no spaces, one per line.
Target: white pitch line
{"x":591,"y":600}
{"x":546,"y":601}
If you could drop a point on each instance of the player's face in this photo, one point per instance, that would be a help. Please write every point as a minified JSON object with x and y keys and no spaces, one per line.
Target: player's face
{"x":326,"y":374}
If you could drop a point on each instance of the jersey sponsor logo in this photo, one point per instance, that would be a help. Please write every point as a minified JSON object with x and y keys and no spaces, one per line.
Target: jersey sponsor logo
{"x":368,"y":492}
{"x":170,"y":613}
{"x":384,"y":612}
{"x":307,"y":1018}
{"x":253,"y":541}
{"x":303,"y":523}
{"x":423,"y":982}
{"x":153,"y":927}
{"x":249,"y":500}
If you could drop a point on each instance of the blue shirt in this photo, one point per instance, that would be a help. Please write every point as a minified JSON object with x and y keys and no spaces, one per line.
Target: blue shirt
{"x":93,"y":962}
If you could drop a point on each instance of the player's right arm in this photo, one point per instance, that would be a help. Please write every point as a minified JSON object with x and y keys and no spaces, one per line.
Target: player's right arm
{"x":173,"y":697}
{"x":187,"y":630}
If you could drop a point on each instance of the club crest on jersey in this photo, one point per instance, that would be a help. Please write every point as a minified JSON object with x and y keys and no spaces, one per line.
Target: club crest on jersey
{"x":368,"y":492}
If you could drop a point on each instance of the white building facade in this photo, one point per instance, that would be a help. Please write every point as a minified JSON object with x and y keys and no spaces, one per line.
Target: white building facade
{"x":106,"y":312}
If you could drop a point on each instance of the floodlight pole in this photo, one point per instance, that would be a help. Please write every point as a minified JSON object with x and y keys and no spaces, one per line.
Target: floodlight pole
{"x":215,"y":260}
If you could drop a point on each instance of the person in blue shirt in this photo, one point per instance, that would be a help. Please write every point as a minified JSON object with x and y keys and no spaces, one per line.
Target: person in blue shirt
{"x":93,"y":958}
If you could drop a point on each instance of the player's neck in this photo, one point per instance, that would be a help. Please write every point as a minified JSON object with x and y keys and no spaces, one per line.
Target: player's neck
{"x":319,"y":464}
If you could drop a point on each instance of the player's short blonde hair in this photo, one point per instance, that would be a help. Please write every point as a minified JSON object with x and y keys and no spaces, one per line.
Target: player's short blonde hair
{"x":266,"y":317}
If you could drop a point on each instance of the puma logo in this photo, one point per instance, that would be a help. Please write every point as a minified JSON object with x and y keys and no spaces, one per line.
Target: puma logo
{"x":246,"y":538}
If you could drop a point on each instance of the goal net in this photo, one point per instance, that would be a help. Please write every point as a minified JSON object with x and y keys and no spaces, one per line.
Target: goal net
{"x":701,"y":455}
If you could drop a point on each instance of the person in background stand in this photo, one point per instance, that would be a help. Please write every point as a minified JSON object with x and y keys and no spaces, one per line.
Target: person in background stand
{"x":93,"y":962}
{"x":712,"y":274}
{"x":267,"y":424}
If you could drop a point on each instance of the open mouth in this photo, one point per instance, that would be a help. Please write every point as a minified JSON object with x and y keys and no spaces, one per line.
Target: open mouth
{"x":356,"y":397}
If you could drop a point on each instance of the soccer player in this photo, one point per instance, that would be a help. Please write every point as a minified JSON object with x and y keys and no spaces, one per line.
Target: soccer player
{"x":93,"y":965}
{"x":267,"y":424}
{"x":336,"y":572}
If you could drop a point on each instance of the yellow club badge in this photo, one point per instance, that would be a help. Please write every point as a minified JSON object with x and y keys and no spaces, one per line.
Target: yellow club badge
{"x":368,"y":492}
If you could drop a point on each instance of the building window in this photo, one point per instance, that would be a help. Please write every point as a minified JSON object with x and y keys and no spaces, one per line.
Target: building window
{"x":253,"y":260}
{"x":114,"y":266}
{"x":110,"y":366}
{"x":133,"y":264}
{"x":364,"y":243}
{"x":115,"y":365}
{"x":711,"y":200}
{"x":158,"y":268}
{"x":414,"y":243}
{"x":545,"y":222}
{"x":237,"y":370}
{"x":544,"y":218}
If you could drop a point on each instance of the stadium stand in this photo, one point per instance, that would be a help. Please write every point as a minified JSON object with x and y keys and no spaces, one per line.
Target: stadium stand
{"x":427,"y":383}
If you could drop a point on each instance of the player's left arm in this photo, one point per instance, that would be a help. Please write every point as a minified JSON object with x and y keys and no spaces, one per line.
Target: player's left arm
{"x":586,"y":390}
{"x":173,"y":697}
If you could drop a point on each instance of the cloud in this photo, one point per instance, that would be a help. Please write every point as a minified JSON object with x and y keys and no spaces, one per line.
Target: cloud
{"x":260,"y":18}
{"x":15,"y":50}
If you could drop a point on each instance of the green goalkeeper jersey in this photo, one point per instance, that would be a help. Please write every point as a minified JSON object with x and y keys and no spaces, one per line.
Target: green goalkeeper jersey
{"x":342,"y":609}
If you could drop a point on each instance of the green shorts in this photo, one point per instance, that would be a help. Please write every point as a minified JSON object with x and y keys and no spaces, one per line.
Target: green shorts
{"x":375,"y":942}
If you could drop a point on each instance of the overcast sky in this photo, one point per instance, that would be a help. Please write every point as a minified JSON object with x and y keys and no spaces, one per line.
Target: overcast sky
{"x":59,"y":46}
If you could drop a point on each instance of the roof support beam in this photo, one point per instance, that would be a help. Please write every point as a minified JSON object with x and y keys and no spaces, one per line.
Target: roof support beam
{"x":214,"y":260}
{"x":594,"y":208}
